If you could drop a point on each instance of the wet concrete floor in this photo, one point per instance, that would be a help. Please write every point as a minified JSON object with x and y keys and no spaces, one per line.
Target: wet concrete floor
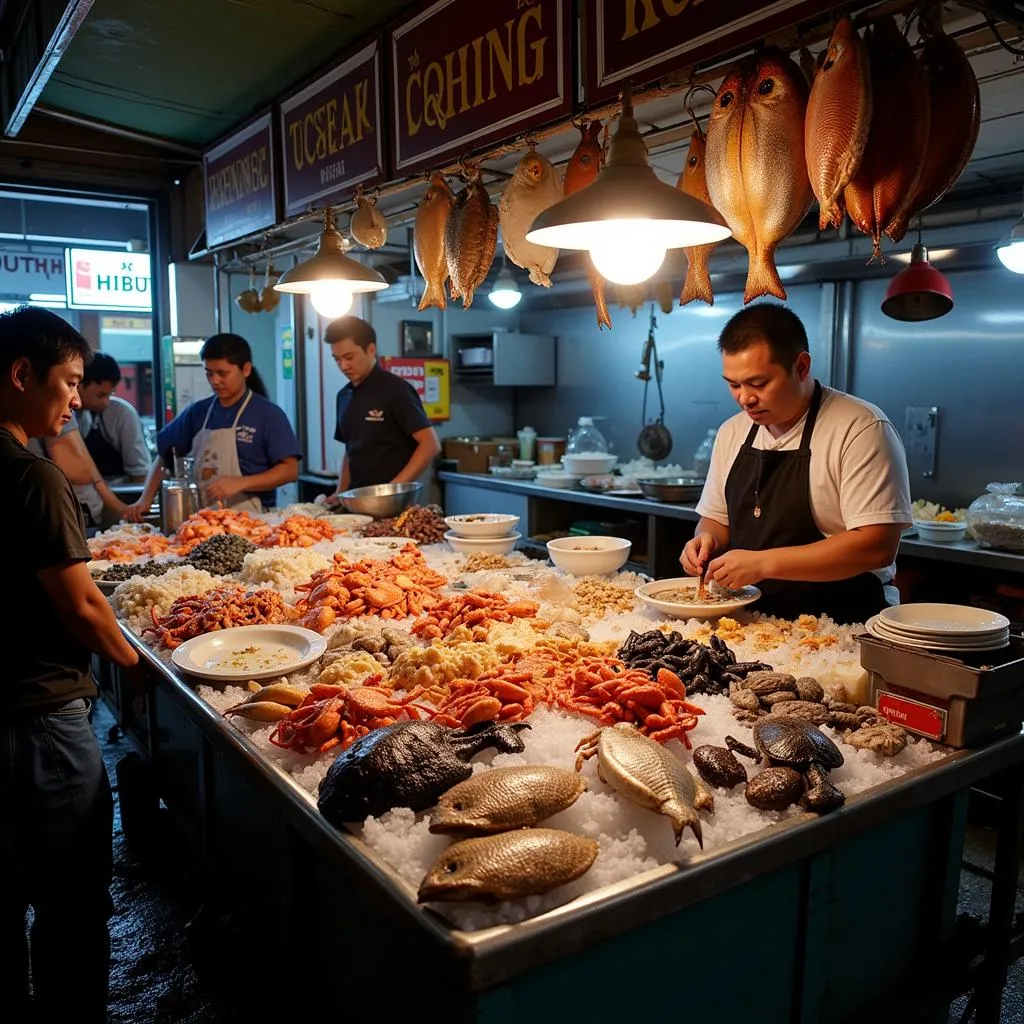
{"x":179,"y":958}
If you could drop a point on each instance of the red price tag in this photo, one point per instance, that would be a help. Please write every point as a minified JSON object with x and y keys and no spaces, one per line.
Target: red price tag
{"x":913,"y":715}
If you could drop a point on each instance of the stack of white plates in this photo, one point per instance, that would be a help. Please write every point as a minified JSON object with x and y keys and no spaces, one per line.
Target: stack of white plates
{"x":941,"y":627}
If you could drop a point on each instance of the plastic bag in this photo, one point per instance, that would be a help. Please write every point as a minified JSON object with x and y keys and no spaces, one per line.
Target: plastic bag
{"x":996,"y":519}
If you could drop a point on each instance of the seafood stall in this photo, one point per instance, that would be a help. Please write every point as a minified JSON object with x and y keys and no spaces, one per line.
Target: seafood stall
{"x":508,"y":773}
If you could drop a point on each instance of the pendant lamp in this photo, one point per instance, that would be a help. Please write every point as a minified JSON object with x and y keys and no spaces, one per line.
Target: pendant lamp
{"x":1011,"y":252}
{"x":330,"y":278}
{"x":919,"y":291}
{"x":628,"y":218}
{"x":505,"y":293}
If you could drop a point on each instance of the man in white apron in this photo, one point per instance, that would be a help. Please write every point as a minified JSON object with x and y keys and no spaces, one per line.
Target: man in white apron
{"x":216,"y":454}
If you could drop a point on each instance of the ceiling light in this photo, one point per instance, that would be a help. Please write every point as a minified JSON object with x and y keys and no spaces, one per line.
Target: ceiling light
{"x":919,"y":291}
{"x":331,"y":299}
{"x":505,"y":293}
{"x":628,"y":218}
{"x":1011,"y":252}
{"x":330,"y":265}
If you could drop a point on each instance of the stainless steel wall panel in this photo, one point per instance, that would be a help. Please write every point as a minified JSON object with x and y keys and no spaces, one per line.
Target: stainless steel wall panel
{"x":970,"y":363}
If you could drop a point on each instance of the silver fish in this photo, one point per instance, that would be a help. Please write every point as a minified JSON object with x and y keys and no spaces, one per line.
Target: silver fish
{"x":644,"y":772}
{"x":506,"y":798}
{"x":507,"y":866}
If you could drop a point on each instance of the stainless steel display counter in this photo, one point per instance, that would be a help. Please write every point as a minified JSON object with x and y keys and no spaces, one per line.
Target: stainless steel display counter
{"x":813,"y":920}
{"x":667,"y":526}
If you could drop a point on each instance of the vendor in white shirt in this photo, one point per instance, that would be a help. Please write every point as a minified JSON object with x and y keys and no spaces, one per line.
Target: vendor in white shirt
{"x":808,"y":490}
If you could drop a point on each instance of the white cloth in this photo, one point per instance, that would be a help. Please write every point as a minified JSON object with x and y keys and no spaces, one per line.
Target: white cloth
{"x":858,"y":470}
{"x":121,"y":426}
{"x":216,"y":454}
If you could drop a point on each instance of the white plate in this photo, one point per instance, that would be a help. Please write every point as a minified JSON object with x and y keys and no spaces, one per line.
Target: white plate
{"x":492,"y":545}
{"x":966,"y":643}
{"x":964,"y":639}
{"x":249,"y":652}
{"x":648,"y":593}
{"x":346,"y":520}
{"x":920,"y":645}
{"x":944,"y":619}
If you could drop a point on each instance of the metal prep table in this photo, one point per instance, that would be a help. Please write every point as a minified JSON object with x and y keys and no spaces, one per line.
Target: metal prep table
{"x":815,"y":920}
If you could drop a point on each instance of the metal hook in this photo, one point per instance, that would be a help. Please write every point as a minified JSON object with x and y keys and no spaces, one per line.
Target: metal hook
{"x":688,"y":97}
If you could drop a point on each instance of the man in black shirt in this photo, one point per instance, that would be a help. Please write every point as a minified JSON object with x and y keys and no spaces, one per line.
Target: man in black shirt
{"x":55,"y":802}
{"x":381,"y":422}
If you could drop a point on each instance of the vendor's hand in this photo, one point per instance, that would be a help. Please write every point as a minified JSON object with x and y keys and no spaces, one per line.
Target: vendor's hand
{"x":222,"y":488}
{"x":739,"y":568}
{"x":137,"y":512}
{"x":697,"y":553}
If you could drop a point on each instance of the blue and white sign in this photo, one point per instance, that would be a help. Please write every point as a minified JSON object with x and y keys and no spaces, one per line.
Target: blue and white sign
{"x":104,"y":279}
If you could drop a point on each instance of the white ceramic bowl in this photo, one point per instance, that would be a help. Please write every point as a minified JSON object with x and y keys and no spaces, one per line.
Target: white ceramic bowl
{"x":940,"y":532}
{"x":561,"y":480}
{"x":492,"y":545}
{"x":589,"y":556}
{"x":482,"y":524}
{"x":587,"y":463}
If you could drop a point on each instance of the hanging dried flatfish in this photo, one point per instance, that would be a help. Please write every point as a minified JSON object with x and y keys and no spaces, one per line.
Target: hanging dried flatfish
{"x":693,"y":181}
{"x":368,"y":226}
{"x":582,"y":170}
{"x":838,"y":120}
{"x":756,"y":169}
{"x":269,"y":298}
{"x":952,"y":133}
{"x":428,"y":240}
{"x":249,"y":300}
{"x":470,"y":238}
{"x":534,"y":187}
{"x":898,"y":135}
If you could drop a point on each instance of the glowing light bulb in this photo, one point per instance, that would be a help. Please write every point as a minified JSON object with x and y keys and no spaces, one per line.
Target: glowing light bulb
{"x":331,"y":299}
{"x":1011,"y":255}
{"x":630,"y":256}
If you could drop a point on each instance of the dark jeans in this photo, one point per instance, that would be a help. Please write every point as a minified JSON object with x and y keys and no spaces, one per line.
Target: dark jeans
{"x":56,"y":852}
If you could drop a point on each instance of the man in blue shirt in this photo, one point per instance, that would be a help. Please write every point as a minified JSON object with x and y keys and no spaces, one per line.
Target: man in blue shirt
{"x":242,"y":443}
{"x":380,"y":418}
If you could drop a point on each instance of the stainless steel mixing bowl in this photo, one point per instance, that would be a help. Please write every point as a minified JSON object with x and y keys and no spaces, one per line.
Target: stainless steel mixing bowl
{"x":676,"y":489}
{"x":380,"y":500}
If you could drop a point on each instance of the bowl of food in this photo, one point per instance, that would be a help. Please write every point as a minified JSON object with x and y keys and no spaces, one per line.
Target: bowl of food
{"x":380,"y":500}
{"x":472,"y":545}
{"x":589,"y":556}
{"x":676,"y":489}
{"x":679,"y":598}
{"x":938,"y":531}
{"x":585,"y":463}
{"x":482,"y":524}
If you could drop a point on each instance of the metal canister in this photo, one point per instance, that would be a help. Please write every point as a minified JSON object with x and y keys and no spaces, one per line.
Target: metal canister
{"x":179,"y":499}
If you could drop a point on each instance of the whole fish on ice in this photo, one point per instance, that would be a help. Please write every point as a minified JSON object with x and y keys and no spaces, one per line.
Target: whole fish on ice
{"x":643,"y":771}
{"x":898,"y":136}
{"x":534,"y":187}
{"x":838,"y":120}
{"x":508,"y":866}
{"x":756,"y":168}
{"x":506,"y":798}
{"x":428,"y":240}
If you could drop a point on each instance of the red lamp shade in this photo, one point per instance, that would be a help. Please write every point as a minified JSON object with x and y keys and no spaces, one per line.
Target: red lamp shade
{"x":919,"y":291}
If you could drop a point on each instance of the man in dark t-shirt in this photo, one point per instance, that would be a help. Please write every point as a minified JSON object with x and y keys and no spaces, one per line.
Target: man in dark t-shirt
{"x":380,"y":418}
{"x":55,"y":802}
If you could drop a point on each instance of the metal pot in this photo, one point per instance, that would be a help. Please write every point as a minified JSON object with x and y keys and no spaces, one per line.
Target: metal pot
{"x":675,"y":489}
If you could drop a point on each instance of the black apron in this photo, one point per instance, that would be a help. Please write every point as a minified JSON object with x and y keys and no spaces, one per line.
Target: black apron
{"x":768,"y":495}
{"x":107,"y":458}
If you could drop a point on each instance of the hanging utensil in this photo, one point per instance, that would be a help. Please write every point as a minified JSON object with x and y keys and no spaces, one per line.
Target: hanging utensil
{"x":269,"y":298}
{"x":249,"y":300}
{"x":654,"y":442}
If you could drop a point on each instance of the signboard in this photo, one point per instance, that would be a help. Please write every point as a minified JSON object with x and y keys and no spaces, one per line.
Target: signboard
{"x":331,"y":134}
{"x":239,"y":183}
{"x":642,"y":40}
{"x":35,"y":271}
{"x":464,"y":73}
{"x":430,"y":378}
{"x":101,"y":279}
{"x":287,"y":354}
